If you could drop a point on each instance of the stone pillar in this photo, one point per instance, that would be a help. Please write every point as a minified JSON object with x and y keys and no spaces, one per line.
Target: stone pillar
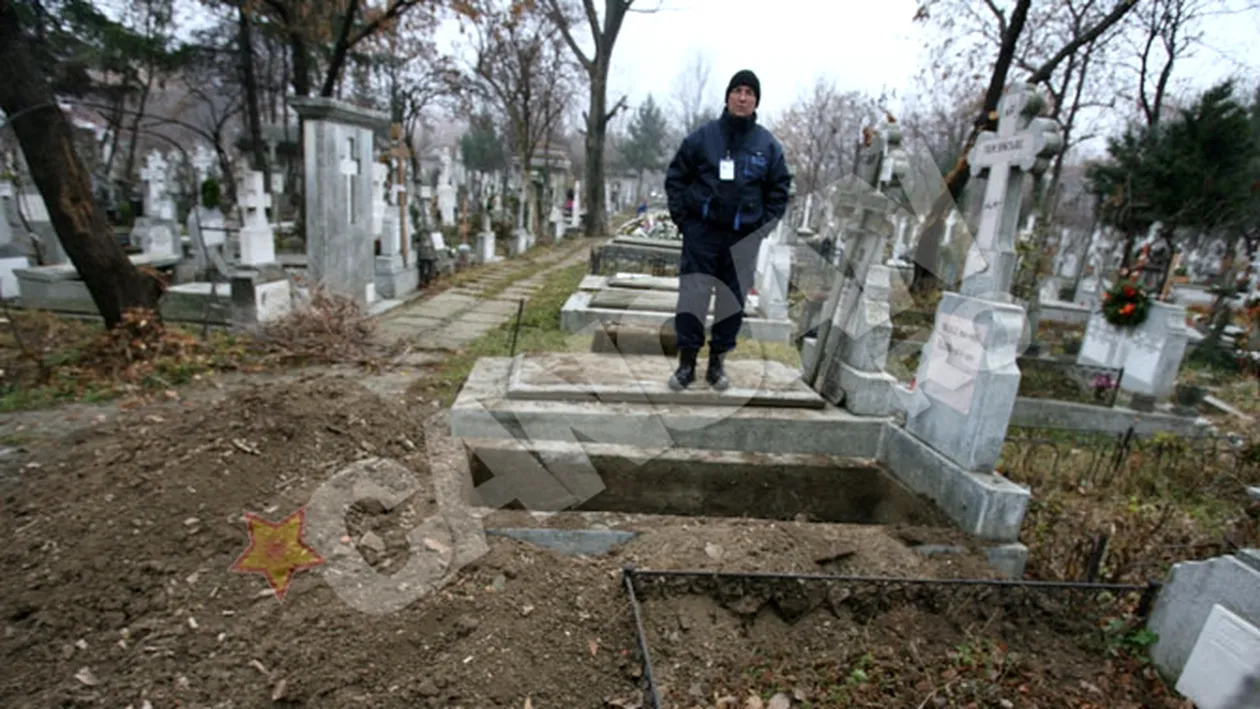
{"x":338,"y":152}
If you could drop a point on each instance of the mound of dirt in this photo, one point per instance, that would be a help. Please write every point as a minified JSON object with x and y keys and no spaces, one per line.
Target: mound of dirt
{"x":117,"y":587}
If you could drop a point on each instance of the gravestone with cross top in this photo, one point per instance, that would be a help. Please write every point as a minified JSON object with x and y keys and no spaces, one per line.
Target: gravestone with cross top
{"x":202,"y":161}
{"x":1021,"y":145}
{"x":154,"y":175}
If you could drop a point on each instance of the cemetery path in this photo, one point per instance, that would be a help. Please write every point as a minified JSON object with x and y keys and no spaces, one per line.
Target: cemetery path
{"x":452,"y":318}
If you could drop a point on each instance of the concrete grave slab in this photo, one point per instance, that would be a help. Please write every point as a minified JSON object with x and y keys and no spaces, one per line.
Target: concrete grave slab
{"x":483,"y":409}
{"x":578,"y":315}
{"x":643,"y":282}
{"x":587,"y":376}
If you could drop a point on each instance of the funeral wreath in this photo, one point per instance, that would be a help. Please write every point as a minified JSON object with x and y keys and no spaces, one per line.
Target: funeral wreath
{"x":1126,"y":304}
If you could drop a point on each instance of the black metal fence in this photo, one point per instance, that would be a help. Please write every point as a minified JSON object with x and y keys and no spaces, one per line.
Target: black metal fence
{"x":1093,"y":458}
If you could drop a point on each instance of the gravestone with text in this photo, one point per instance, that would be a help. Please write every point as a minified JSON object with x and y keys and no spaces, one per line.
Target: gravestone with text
{"x":339,"y":140}
{"x":968,"y":381}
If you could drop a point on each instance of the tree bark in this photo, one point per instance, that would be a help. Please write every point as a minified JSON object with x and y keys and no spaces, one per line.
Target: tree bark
{"x":47,"y":141}
{"x":249,"y":80}
{"x":927,"y":253}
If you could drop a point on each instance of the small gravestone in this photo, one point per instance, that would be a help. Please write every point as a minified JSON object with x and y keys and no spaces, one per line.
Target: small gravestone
{"x":258,"y":239}
{"x":1150,"y":353}
{"x":1223,"y":671}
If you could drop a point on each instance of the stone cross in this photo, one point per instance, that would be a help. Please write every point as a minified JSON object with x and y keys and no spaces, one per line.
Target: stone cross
{"x":870,"y":157}
{"x":349,"y":168}
{"x":202,"y":161}
{"x":1021,"y":145}
{"x":379,"y":174}
{"x":866,"y":218}
{"x":154,"y":175}
{"x":255,"y":201}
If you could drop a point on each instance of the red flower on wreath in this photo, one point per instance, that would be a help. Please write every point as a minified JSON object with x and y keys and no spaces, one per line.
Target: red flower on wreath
{"x":1128,"y":309}
{"x":1129,"y":292}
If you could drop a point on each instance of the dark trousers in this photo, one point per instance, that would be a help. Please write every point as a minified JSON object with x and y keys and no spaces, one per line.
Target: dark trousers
{"x":713,"y":260}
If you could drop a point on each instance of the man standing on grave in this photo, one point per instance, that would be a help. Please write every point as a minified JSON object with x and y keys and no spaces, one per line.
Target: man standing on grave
{"x":727,"y":186}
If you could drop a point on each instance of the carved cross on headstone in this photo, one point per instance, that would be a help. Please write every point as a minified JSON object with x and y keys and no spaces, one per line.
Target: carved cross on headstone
{"x":350,"y":170}
{"x":1021,"y":145}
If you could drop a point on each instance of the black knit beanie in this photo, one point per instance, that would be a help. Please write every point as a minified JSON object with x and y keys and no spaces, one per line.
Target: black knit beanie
{"x":745,"y":77}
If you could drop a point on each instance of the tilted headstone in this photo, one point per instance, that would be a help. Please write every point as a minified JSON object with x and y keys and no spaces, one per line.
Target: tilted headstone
{"x":846,"y":366}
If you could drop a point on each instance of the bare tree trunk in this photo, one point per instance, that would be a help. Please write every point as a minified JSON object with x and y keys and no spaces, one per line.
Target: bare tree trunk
{"x":48,"y":144}
{"x":250,"y":83}
{"x":928,"y":251}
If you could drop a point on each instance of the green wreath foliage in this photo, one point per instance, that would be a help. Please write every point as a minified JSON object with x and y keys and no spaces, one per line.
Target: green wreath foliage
{"x":1126,"y":304}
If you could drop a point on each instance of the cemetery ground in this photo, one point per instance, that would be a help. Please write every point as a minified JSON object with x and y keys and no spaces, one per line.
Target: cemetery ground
{"x":123,"y":522}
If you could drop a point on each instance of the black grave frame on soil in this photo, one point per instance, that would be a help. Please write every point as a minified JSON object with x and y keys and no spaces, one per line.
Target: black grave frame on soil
{"x":1071,"y":606}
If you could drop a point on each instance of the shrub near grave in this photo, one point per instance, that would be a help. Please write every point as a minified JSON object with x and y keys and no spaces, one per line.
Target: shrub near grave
{"x":1124,"y":510}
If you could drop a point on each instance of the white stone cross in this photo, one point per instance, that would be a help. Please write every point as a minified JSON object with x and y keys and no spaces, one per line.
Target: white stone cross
{"x":256,"y":200}
{"x":1021,"y":143}
{"x":202,"y":161}
{"x":350,"y":170}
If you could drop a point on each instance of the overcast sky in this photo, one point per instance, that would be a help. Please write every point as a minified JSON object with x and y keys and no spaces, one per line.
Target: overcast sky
{"x":866,"y":46}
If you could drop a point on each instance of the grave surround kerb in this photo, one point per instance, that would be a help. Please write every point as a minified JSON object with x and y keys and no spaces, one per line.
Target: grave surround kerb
{"x":339,"y":148}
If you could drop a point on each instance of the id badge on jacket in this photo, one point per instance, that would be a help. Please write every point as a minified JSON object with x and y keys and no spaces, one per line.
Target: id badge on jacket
{"x":726,"y":170}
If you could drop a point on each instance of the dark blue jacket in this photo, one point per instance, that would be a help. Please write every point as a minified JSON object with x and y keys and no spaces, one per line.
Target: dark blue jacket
{"x":757,"y":196}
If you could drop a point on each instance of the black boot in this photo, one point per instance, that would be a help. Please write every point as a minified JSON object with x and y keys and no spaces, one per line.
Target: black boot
{"x":716,"y":374}
{"x":686,"y":372}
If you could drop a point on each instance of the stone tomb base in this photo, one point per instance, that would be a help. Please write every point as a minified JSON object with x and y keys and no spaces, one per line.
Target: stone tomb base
{"x":602,"y":301}
{"x":554,"y":407}
{"x":253,"y":296}
{"x":394,"y":279}
{"x":60,"y":289}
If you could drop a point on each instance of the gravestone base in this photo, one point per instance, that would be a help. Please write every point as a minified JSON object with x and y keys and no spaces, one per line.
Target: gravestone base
{"x":968,"y":380}
{"x":394,"y":278}
{"x":485,"y":249}
{"x":258,"y":245}
{"x":158,"y":237}
{"x":260,"y":295}
{"x":199,"y":301}
{"x":519,"y":244}
{"x":861,"y":392}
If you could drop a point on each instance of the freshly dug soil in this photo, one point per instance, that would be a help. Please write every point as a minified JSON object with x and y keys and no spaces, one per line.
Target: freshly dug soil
{"x":116,"y":588}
